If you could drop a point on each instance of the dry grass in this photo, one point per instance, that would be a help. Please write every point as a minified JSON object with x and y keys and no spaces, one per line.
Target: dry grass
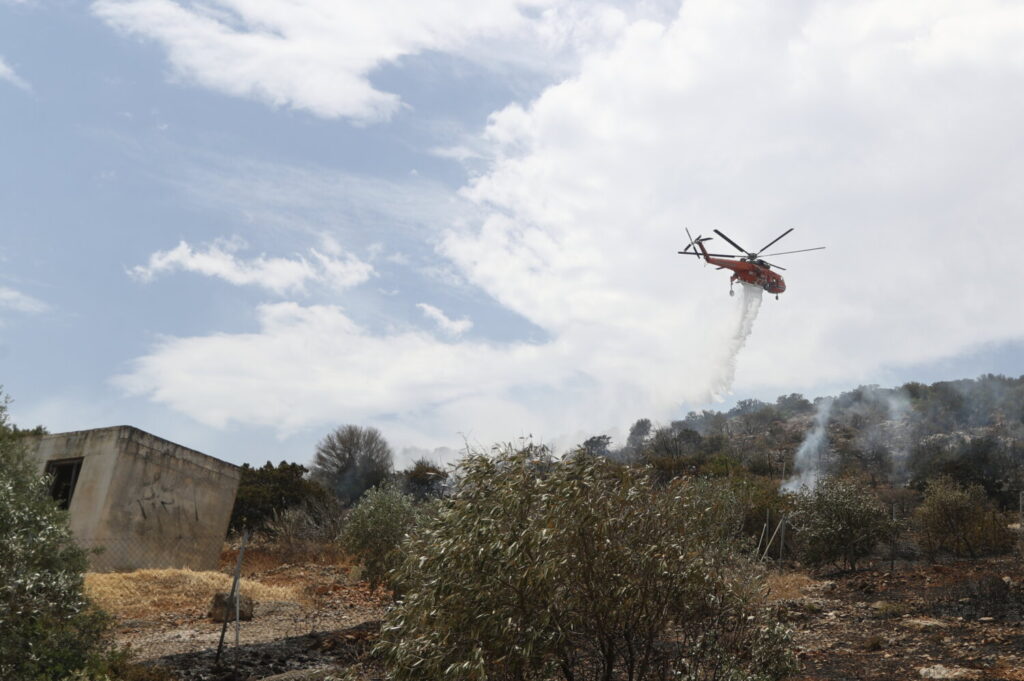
{"x":266,"y":556}
{"x":787,"y":585}
{"x":145,"y":593}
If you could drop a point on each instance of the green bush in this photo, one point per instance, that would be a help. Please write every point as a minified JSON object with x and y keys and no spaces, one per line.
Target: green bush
{"x":959,"y":520}
{"x":579,"y":569}
{"x":48,"y":629}
{"x":374,"y":531}
{"x":269,"y":490}
{"x":838,"y":522}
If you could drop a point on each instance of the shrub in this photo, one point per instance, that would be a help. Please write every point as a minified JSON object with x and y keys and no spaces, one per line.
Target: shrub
{"x":48,"y":629}
{"x":374,"y":530}
{"x":960,"y":521}
{"x":579,"y":569}
{"x":838,"y":522}
{"x":305,"y":532}
{"x":270,"y":490}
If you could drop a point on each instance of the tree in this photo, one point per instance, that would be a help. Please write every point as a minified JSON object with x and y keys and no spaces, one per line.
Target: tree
{"x":48,"y":630}
{"x":672,"y":452}
{"x":985,"y":461}
{"x":597,"y":445}
{"x":350,"y":460}
{"x":638,"y":434}
{"x":793,"y":404}
{"x":577,"y":570}
{"x":269,"y":490}
{"x":424,"y":480}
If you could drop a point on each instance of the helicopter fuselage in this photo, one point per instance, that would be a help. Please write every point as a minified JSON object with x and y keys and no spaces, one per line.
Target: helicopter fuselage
{"x":751,"y":273}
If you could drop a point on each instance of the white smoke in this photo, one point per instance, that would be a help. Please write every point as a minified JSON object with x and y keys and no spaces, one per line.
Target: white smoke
{"x":807,"y":463}
{"x":746,"y":312}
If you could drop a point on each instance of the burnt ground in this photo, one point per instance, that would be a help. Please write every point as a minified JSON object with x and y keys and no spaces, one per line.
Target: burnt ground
{"x":337,"y":649}
{"x":961,"y":620}
{"x":965,"y":617}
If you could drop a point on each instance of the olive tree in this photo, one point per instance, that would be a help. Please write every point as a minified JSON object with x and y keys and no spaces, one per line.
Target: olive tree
{"x":350,"y":460}
{"x":576,"y":569}
{"x":48,"y":629}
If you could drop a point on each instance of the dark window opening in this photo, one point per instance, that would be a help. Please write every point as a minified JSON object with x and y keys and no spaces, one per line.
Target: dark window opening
{"x":65,"y":476}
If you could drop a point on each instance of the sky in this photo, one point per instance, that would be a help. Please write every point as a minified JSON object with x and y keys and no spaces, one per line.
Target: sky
{"x":239,"y":224}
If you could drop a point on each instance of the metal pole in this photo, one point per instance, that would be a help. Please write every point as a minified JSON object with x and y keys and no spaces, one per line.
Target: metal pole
{"x":768,"y":546}
{"x":892,"y":547}
{"x":782,"y":539}
{"x":760,"y":540}
{"x":232,"y":596}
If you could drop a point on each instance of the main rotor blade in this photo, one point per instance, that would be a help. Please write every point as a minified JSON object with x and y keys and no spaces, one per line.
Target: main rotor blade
{"x":734,"y":244}
{"x":802,"y":250}
{"x":774,"y":266}
{"x":713,"y":255}
{"x":765,"y":248}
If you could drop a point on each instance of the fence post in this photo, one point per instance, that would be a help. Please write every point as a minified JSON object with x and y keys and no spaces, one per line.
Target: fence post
{"x":782,"y":540}
{"x":1020,"y":523}
{"x":233,"y":595}
{"x":892,"y":547}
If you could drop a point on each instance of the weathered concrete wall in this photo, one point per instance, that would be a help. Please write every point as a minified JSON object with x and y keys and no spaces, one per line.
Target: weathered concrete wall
{"x":144,"y":501}
{"x":98,"y":449}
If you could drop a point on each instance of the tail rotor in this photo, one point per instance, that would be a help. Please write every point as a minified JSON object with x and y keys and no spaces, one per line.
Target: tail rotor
{"x":691,"y":248}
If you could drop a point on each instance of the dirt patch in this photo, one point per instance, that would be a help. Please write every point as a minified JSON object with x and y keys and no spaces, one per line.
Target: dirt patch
{"x":788,"y":585}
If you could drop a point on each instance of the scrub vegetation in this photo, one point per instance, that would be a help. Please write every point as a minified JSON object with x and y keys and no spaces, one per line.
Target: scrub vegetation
{"x":686,"y":552}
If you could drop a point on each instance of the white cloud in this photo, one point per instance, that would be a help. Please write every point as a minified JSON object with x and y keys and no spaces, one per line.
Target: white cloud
{"x":7,"y":73}
{"x":314,"y":55}
{"x":340,"y":369}
{"x":887,"y":131}
{"x":17,"y":301}
{"x":281,"y":275}
{"x":452,"y":327}
{"x":318,"y":55}
{"x":877,"y":129}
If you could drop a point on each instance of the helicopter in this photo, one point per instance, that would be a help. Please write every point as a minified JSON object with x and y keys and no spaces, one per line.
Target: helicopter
{"x":749,"y":268}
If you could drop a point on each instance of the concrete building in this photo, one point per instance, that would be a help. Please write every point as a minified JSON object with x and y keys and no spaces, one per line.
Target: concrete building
{"x":142,"y":501}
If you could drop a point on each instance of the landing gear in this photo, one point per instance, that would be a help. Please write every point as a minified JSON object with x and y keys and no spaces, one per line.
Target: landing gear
{"x":731,"y":292}
{"x":776,"y":296}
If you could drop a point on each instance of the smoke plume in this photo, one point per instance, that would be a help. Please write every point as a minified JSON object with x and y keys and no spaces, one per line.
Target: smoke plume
{"x":807,"y":462}
{"x":746,"y":312}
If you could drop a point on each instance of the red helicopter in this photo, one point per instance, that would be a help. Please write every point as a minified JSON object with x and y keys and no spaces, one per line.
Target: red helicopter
{"x":750,"y":267}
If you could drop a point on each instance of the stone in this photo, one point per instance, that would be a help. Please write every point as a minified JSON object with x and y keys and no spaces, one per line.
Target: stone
{"x":925,"y":623}
{"x":223,"y":607}
{"x":939,"y":671}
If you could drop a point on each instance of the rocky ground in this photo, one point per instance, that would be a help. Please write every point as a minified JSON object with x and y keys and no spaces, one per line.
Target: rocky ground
{"x":961,"y":620}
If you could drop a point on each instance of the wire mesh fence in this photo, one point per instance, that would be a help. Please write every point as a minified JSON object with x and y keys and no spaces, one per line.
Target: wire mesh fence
{"x":126,"y":553}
